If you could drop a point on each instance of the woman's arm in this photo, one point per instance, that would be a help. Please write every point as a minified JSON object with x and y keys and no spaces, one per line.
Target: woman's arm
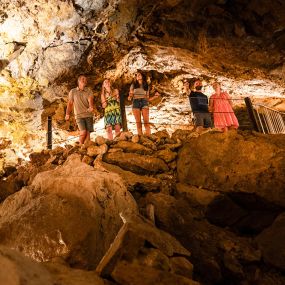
{"x":131,"y":93}
{"x":156,"y":95}
{"x":147,"y":94}
{"x":103,"y":99}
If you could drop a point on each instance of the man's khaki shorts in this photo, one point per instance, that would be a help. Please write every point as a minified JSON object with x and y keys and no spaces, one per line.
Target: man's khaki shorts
{"x":85,"y":124}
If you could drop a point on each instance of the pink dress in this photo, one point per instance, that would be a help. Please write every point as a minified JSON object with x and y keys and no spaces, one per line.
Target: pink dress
{"x":223,"y":113}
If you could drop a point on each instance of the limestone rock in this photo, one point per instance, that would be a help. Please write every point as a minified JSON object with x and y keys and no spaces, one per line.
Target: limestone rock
{"x":141,"y":164}
{"x":9,"y":187}
{"x":132,"y":147}
{"x":153,"y":257}
{"x":39,"y":158}
{"x":133,"y":181}
{"x":162,"y":134}
{"x":195,"y":196}
{"x":16,"y":269}
{"x":178,"y":218}
{"x":167,"y":155}
{"x":100,"y":140}
{"x":234,"y":162}
{"x":33,"y":220}
{"x":124,"y":136}
{"x":172,"y":146}
{"x":58,"y":60}
{"x":87,"y":159}
{"x":222,"y":211}
{"x":97,"y":5}
{"x":127,"y":274}
{"x":181,"y":266}
{"x":64,"y":275}
{"x":271,"y":243}
{"x":135,"y":139}
{"x":148,"y":142}
{"x":96,"y":150}
{"x":130,"y":242}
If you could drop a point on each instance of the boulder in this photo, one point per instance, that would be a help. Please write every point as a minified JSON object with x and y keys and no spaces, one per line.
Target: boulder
{"x":9,"y":187}
{"x":135,"y":139}
{"x":64,"y":275}
{"x":126,"y":273}
{"x":141,"y":164}
{"x":181,"y":266}
{"x":166,"y":154}
{"x":100,"y":140}
{"x":44,"y":220}
{"x":233,"y":162}
{"x":135,"y":182}
{"x":222,"y":211}
{"x":147,"y":142}
{"x":17,"y":269}
{"x":197,"y":197}
{"x":271,"y":243}
{"x":132,"y":147}
{"x":96,"y":150}
{"x":39,"y":158}
{"x":207,"y":243}
{"x":130,"y":245}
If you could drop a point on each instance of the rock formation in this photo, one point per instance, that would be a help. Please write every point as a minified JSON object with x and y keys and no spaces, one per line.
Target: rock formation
{"x":132,"y":224}
{"x":175,"y":207}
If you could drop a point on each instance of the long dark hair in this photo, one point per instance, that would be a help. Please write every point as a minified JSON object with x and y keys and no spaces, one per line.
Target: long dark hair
{"x":144,"y":83}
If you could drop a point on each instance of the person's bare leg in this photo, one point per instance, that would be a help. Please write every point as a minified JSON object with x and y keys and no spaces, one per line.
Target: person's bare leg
{"x":199,"y":129}
{"x":109,"y":132}
{"x":145,"y":113}
{"x":137,"y":115}
{"x":87,"y":137}
{"x":117,"y":129}
{"x":82,"y":136}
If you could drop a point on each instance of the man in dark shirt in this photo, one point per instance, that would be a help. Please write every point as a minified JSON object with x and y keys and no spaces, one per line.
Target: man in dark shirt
{"x":199,"y":105}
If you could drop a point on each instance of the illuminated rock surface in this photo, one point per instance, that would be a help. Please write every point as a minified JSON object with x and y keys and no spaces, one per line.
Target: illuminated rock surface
{"x":220,"y":196}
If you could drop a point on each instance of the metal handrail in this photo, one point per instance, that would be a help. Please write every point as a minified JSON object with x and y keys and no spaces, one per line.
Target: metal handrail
{"x":261,"y":105}
{"x":270,"y":121}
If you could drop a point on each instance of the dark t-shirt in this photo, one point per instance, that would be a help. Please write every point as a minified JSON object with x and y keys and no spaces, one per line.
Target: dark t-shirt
{"x":198,"y":102}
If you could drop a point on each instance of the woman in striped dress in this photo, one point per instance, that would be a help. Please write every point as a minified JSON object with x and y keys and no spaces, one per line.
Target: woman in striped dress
{"x":112,"y":113}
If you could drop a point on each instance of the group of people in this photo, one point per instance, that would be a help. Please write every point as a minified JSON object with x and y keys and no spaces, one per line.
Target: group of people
{"x":217,"y":111}
{"x":82,"y":101}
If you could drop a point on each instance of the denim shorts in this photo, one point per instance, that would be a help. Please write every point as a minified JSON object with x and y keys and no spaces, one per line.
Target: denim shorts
{"x":85,"y":124}
{"x":140,"y":103}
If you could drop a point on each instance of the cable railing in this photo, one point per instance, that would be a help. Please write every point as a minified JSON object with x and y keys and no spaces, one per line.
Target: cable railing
{"x":269,"y":120}
{"x":262,"y":119}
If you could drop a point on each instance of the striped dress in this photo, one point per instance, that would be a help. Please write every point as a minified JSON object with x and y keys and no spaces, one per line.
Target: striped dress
{"x":112,"y":115}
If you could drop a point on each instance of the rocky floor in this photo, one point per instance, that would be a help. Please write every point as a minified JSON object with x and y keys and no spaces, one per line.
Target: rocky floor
{"x":185,"y":208}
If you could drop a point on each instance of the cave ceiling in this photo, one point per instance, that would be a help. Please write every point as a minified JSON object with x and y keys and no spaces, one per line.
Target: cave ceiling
{"x":52,"y":40}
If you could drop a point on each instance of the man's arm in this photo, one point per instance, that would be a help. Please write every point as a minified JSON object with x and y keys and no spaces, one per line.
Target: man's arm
{"x":91,"y":103}
{"x":69,"y":106}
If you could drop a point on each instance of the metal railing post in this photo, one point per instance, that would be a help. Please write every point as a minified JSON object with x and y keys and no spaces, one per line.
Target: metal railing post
{"x":123,"y":112}
{"x":252,"y":114}
{"x":49,"y":133}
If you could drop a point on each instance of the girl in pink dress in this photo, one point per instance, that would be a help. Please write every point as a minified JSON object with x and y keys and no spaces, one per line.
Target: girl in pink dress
{"x":221,"y":107}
